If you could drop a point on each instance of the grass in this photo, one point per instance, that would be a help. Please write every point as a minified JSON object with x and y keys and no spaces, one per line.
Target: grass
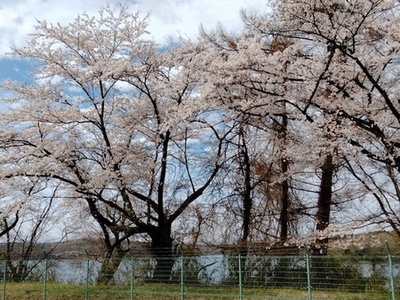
{"x":147,"y":291}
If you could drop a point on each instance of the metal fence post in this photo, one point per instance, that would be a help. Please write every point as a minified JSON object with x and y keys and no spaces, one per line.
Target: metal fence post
{"x":4,"y":279}
{"x":240,"y":276}
{"x":132,"y":278}
{"x":45,"y":279}
{"x":182,"y":260}
{"x":87,"y":276}
{"x":309,"y":288}
{"x":392,"y":288}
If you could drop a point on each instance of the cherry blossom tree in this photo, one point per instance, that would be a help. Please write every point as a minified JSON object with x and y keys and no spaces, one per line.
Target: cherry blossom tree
{"x":115,"y":120}
{"x":326,"y":70}
{"x":353,"y":81}
{"x":307,"y":93}
{"x":246,"y":75}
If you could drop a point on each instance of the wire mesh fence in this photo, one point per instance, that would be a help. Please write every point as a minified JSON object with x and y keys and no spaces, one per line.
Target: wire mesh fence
{"x":211,"y":276}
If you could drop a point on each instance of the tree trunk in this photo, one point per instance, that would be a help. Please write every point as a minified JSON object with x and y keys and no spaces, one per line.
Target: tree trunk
{"x":284,"y":214}
{"x":18,"y":271}
{"x":284,"y":166}
{"x":324,"y":205}
{"x":163,"y":254}
{"x":247,"y":200}
{"x":110,"y":265}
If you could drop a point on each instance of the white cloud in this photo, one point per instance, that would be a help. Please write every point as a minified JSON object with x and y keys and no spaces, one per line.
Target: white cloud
{"x":184,"y":16}
{"x":167,"y":17}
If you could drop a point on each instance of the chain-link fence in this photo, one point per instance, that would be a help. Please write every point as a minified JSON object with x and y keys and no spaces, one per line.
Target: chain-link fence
{"x":211,"y":276}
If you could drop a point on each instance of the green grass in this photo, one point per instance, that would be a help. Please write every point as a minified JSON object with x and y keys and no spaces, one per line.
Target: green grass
{"x":147,"y":291}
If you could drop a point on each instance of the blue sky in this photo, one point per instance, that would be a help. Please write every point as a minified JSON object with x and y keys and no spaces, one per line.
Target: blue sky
{"x":15,"y":69}
{"x":168,"y":18}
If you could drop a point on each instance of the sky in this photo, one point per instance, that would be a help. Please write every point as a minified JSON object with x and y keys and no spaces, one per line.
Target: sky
{"x":167,"y":18}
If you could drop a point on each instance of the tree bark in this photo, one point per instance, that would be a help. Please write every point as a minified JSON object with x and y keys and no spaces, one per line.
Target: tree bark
{"x":110,"y":265}
{"x":284,"y":166}
{"x":324,"y":205}
{"x":162,"y":252}
{"x":245,"y":166}
{"x":247,"y":200}
{"x":284,"y":214}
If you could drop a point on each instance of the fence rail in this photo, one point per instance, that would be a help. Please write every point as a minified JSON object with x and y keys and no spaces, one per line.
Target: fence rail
{"x":214,"y":276}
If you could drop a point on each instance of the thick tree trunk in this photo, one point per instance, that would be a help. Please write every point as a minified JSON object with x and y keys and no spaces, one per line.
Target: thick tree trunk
{"x":284,"y":166}
{"x":284,"y":213}
{"x":324,"y":205}
{"x":163,"y":254}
